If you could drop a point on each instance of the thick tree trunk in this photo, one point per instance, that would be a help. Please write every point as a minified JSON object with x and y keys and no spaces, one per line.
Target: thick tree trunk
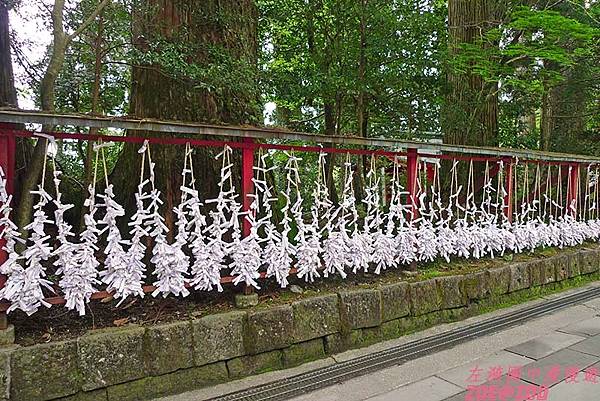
{"x":362,"y":102}
{"x":8,"y":98}
{"x":563,"y":114}
{"x":211,"y":28}
{"x":8,"y":94}
{"x":470,"y":115}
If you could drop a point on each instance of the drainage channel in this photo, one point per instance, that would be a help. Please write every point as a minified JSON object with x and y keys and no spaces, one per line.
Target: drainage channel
{"x":306,"y":382}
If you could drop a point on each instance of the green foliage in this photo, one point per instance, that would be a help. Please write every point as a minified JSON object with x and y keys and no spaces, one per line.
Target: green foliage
{"x":110,"y":40}
{"x":312,"y":52}
{"x":534,"y":51}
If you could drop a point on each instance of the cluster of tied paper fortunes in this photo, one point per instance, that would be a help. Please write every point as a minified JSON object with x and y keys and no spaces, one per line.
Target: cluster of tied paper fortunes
{"x":318,"y":240}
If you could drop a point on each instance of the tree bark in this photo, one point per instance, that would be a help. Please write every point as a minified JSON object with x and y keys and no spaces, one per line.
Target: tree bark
{"x":224,"y":26}
{"x":8,"y":98}
{"x":8,"y":94}
{"x":563,"y":109}
{"x":470,"y":115}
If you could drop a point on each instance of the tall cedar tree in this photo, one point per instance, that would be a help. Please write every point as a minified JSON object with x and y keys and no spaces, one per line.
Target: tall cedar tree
{"x":187,"y":53}
{"x":470,"y":115}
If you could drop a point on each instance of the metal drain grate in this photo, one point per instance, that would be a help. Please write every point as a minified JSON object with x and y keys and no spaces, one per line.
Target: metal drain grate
{"x":324,"y":377}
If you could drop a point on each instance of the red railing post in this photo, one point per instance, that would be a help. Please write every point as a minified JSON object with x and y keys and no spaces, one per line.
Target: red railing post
{"x":509,"y":188}
{"x":573,"y":189}
{"x":7,"y":162}
{"x":247,"y":189}
{"x":412,"y":171}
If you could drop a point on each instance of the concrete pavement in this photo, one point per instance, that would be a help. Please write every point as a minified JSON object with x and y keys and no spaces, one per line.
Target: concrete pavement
{"x":555,"y":357}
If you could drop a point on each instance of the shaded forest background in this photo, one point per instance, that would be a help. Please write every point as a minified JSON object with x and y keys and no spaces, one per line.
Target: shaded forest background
{"x":478,"y":72}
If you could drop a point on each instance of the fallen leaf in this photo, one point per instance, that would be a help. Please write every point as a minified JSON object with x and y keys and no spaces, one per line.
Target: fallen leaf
{"x":121,"y":322}
{"x":107,"y":299}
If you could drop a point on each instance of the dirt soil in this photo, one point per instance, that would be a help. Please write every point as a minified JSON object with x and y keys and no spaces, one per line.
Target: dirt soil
{"x":57,"y":323}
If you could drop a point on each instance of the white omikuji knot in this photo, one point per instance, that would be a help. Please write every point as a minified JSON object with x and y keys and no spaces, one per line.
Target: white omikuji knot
{"x":76,"y":261}
{"x":310,"y":233}
{"x":24,"y":286}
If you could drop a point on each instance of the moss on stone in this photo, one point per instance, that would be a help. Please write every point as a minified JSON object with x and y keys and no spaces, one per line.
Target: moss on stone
{"x":94,"y":395}
{"x":254,"y":364}
{"x":391,"y":329}
{"x":169,"y":384}
{"x":590,"y":262}
{"x":519,"y":277}
{"x":548,"y":271}
{"x":316,"y":317}
{"x":424,"y":297}
{"x":561,"y":266}
{"x":536,"y":272}
{"x":360,"y":308}
{"x":336,"y":343}
{"x":111,"y":356}
{"x":395,"y":301}
{"x":574,"y":264}
{"x":270,"y":329}
{"x":219,"y":337}
{"x":477,"y":285}
{"x":5,"y":372}
{"x":44,"y":371}
{"x":499,"y":279}
{"x":452,"y":292}
{"x":169,"y":347}
{"x":297,"y":354}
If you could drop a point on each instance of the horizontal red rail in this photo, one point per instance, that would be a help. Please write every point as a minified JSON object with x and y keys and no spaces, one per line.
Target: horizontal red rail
{"x":201,"y":142}
{"x":254,"y":145}
{"x":241,"y":144}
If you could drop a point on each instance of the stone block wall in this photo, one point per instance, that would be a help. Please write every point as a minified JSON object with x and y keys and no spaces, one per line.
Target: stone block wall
{"x":140,"y":363}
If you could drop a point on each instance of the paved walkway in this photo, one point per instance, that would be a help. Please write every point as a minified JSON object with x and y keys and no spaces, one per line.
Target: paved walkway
{"x":555,"y":357}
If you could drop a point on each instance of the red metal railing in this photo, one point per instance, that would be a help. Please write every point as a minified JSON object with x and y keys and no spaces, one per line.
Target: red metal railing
{"x":249,"y":147}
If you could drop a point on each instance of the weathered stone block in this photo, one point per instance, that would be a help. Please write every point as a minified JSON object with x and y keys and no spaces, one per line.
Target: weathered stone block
{"x":519,"y":277}
{"x":477,"y":285}
{"x":424,"y":297}
{"x":360,"y":308}
{"x":245,"y":301}
{"x":548,"y":271}
{"x":335,"y":343}
{"x":111,"y":356}
{"x":590,"y":262}
{"x":270,"y":329}
{"x":412,"y":324}
{"x":44,"y":371}
{"x":169,"y":347}
{"x":254,"y":364}
{"x":171,"y":383}
{"x":536,"y":272}
{"x":218,"y":337}
{"x":452,"y":291}
{"x":499,"y":279}
{"x":7,"y":336}
{"x":5,"y":372}
{"x":297,"y":354}
{"x":364,"y":337}
{"x":574,"y":264}
{"x":94,"y":395}
{"x":316,"y":317}
{"x":391,"y":329}
{"x":395,"y":301}
{"x":561,"y":266}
